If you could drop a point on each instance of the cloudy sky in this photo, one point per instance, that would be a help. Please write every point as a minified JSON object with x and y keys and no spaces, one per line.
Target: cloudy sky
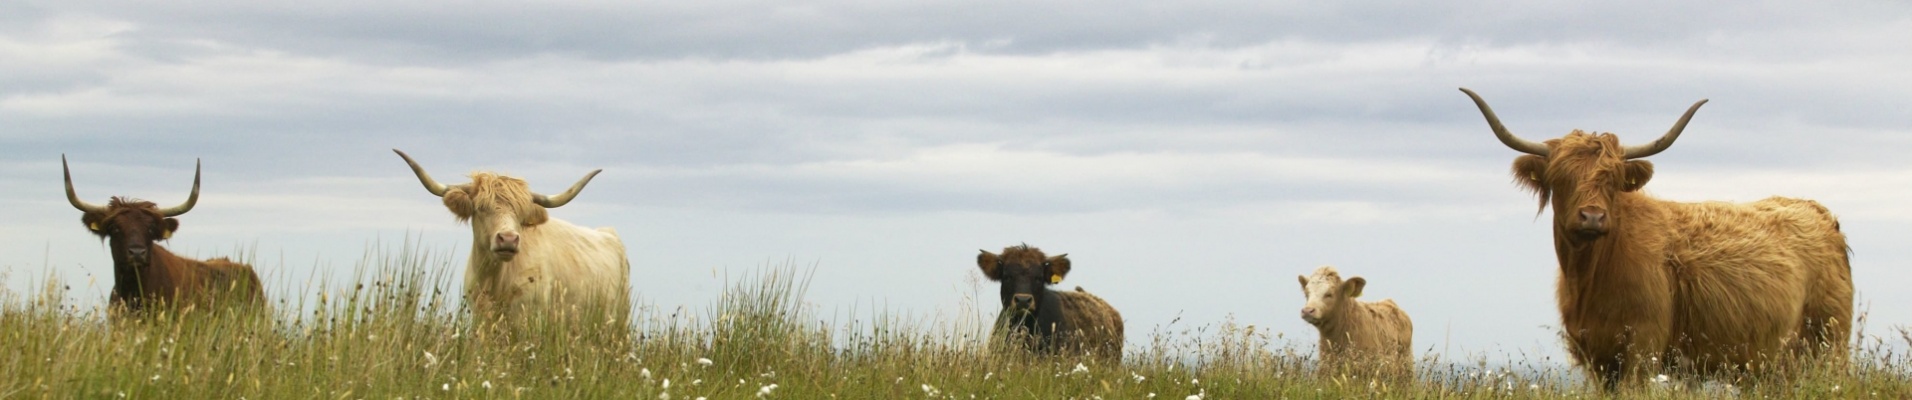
{"x":1192,"y":157}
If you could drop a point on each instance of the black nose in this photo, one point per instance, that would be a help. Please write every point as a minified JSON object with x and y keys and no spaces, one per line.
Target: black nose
{"x":1024,"y":300}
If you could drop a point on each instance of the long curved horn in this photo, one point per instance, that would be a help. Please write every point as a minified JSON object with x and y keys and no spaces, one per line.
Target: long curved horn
{"x":175,"y":211}
{"x":1500,"y":131}
{"x":1665,"y":141}
{"x":75,"y":198}
{"x":562,"y":198}
{"x":433,"y":186}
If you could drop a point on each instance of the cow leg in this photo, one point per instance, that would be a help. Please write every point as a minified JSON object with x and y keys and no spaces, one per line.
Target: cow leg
{"x":1620,"y":360}
{"x":1825,"y":327}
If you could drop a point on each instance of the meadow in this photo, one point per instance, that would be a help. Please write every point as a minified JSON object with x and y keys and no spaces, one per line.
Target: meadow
{"x":397,"y":332}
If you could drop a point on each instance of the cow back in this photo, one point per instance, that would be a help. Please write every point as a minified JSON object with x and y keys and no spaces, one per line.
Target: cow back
{"x":1096,"y":326}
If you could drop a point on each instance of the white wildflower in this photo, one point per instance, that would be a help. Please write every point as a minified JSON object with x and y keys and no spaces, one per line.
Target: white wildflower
{"x":695,"y":382}
{"x":1080,"y":369}
{"x":929,"y":390}
{"x":1151,"y":395}
{"x":486,"y":384}
{"x":1194,"y":381}
{"x":155,"y":378}
{"x":664,"y":396}
{"x":765,"y":391}
{"x":1138,"y":377}
{"x":1194,"y":397}
{"x":646,"y":373}
{"x":445,"y":387}
{"x":703,"y":361}
{"x":1661,"y":379}
{"x":986,"y":375}
{"x":1535,"y":386}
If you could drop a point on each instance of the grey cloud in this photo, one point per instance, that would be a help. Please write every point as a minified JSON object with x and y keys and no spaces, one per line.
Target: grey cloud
{"x":448,"y":33}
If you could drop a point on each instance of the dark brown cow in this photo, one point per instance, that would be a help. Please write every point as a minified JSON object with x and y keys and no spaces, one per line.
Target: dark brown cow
{"x":145,"y":275}
{"x":1694,"y":289}
{"x":1056,"y":322}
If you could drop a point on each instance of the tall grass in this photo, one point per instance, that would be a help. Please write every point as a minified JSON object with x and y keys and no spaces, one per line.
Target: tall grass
{"x":396,"y":331}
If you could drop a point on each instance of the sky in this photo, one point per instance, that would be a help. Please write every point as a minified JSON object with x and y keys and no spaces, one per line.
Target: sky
{"x":1190,"y":157}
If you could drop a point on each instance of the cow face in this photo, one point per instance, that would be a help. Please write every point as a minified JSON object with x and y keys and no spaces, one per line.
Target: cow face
{"x":497,"y":208}
{"x":1024,"y":273}
{"x":1582,"y":173}
{"x":130,"y":228}
{"x":1327,"y":294}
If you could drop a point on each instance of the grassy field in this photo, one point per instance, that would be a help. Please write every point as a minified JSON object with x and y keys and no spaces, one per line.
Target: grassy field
{"x":397,"y":332}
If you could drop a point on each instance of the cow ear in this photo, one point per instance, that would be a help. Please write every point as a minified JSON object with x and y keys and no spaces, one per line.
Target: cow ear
{"x":991,"y":265}
{"x":1530,"y":172}
{"x":166,"y":228}
{"x":535,"y":216}
{"x":1058,"y":268}
{"x":1304,"y":284}
{"x":459,"y":203}
{"x":94,"y":221}
{"x":1352,"y":287}
{"x":1637,"y":173}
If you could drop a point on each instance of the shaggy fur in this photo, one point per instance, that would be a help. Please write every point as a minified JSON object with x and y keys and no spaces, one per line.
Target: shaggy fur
{"x":1356,"y":336}
{"x":556,"y":265}
{"x":1686,"y":288}
{"x":1052,"y":322}
{"x":158,"y":278}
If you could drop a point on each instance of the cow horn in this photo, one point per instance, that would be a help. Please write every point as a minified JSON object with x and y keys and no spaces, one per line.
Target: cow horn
{"x":562,"y":198}
{"x":192,"y":199}
{"x":1500,"y":131}
{"x":1665,"y":141}
{"x":433,"y":186}
{"x":75,"y":198}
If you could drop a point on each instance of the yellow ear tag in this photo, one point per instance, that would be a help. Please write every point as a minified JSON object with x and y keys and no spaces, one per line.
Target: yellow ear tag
{"x":1533,"y":177}
{"x":166,"y":235}
{"x":1054,"y":279}
{"x":93,"y":226}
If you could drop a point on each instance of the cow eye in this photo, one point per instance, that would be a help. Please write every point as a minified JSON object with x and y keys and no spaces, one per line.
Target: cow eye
{"x":1045,"y":263}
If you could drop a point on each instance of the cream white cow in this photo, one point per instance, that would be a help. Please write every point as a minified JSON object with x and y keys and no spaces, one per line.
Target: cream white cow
{"x":522,"y":260}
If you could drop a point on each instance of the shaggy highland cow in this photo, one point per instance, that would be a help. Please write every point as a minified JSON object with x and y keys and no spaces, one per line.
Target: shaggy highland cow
{"x":1052,"y":322}
{"x":1649,"y":285}
{"x":146,"y":275}
{"x":524,"y":261}
{"x":1356,"y":336}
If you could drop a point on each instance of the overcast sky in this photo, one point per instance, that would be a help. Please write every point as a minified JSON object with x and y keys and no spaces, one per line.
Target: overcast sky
{"x":1191,"y":157}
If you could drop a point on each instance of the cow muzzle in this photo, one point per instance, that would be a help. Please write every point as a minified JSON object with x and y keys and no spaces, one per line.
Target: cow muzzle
{"x":1310,"y":315}
{"x":505,"y":245}
{"x":137,"y":255}
{"x":1593,"y":223}
{"x":1023,"y":302}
